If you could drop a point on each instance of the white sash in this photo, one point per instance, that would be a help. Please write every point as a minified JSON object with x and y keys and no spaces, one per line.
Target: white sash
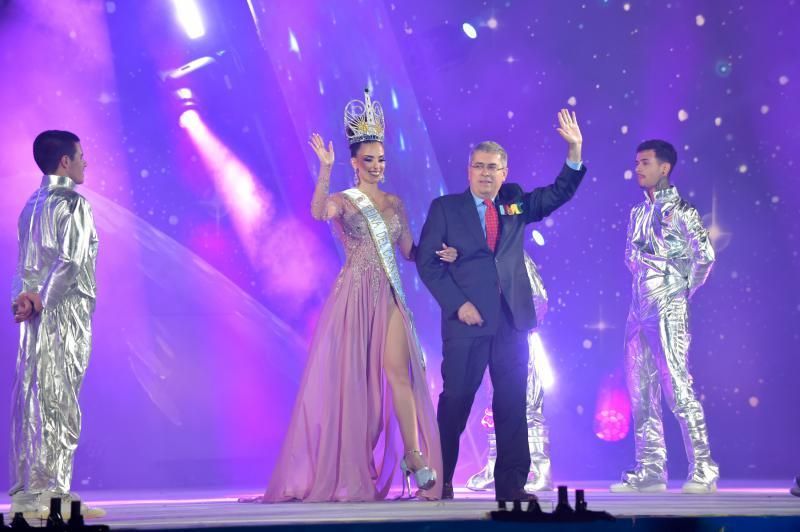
{"x":383,"y":244}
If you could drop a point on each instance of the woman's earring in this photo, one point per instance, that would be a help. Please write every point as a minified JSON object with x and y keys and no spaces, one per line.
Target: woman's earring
{"x":383,"y":178}
{"x":355,"y":177}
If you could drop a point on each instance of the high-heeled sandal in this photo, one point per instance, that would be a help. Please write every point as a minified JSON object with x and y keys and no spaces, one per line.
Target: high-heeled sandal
{"x":424,"y":477}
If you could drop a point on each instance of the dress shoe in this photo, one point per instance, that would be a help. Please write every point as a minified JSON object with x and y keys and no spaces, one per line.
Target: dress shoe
{"x":447,"y":490}
{"x":517,"y":495}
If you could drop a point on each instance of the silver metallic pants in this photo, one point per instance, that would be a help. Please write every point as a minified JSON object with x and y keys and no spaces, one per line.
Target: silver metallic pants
{"x":656,"y":349}
{"x":539,"y":477}
{"x":46,"y":419}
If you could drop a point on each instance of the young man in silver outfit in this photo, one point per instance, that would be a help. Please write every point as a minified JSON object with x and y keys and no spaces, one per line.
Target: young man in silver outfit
{"x":53,"y":298}
{"x":670,"y":255}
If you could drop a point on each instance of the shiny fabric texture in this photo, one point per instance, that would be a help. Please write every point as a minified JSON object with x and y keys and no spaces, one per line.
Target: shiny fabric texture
{"x":670,"y":255}
{"x":57,"y":254}
{"x":539,"y":476}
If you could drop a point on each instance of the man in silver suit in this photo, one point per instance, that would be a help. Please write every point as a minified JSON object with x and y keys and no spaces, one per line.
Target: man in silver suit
{"x":670,"y":255}
{"x":53,"y":298}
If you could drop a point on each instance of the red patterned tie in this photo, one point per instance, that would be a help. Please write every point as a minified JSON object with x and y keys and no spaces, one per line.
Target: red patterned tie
{"x":492,"y":224}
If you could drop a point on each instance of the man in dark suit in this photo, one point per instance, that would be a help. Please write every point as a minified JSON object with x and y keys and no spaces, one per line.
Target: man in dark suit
{"x":486,"y":299}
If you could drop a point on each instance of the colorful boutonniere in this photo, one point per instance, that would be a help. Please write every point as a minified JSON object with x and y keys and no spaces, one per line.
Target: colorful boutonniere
{"x":512,"y":209}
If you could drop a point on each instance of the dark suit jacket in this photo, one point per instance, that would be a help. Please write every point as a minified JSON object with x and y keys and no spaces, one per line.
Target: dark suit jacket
{"x":478,"y":275}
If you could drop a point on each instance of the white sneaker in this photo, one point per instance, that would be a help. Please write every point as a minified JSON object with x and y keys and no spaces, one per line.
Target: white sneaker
{"x":483,"y":480}
{"x":87,"y":511}
{"x":697,"y":488}
{"x":38,"y":507}
{"x":43,"y":512}
{"x":625,"y":487}
{"x":30,"y":512}
{"x":29,"y":505}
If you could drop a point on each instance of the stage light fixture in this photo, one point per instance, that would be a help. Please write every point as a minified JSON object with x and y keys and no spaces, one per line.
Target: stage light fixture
{"x":189,"y":67}
{"x":189,"y":119}
{"x":189,"y":17}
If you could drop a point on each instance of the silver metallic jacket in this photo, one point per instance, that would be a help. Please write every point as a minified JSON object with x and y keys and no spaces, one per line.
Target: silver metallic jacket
{"x":667,"y":250}
{"x":670,"y":255}
{"x":57,"y":254}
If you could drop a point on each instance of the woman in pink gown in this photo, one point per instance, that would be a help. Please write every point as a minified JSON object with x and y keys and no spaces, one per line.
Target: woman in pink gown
{"x":363,"y":405}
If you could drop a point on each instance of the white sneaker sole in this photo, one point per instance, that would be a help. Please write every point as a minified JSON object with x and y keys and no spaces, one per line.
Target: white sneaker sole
{"x":654,"y":488}
{"x":87,"y":513}
{"x":699,"y":490}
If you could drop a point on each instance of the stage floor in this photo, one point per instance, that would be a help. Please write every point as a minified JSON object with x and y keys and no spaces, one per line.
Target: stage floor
{"x":157,"y":509}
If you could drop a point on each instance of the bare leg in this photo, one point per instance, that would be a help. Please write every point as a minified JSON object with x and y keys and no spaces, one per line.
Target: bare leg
{"x":396,"y":364}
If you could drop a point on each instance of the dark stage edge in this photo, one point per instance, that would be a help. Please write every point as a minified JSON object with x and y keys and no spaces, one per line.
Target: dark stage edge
{"x":736,"y":506}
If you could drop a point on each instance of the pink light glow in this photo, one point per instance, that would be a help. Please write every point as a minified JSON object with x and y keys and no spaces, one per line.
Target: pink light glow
{"x":613,"y":413}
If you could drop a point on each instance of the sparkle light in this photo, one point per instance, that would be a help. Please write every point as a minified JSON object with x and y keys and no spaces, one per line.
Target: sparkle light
{"x":469,"y":30}
{"x":600,"y":325}
{"x":293,"y":44}
{"x":719,"y":237}
{"x":723,"y":68}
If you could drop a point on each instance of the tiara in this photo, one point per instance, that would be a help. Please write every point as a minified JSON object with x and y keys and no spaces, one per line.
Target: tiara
{"x":363,"y":121}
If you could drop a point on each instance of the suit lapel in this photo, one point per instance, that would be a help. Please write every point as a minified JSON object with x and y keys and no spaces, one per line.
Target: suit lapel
{"x":472,"y":220}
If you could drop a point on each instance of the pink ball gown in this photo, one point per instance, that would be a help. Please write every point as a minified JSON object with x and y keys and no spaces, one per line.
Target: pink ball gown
{"x":343,"y":442}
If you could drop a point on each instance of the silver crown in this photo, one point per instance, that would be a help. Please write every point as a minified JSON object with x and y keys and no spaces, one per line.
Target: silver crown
{"x":363,"y":121}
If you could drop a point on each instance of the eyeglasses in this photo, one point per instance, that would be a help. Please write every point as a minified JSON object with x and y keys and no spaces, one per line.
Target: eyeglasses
{"x":491,"y":168}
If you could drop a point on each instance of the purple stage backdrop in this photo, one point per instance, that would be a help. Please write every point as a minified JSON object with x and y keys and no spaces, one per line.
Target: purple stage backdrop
{"x":194,"y":117}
